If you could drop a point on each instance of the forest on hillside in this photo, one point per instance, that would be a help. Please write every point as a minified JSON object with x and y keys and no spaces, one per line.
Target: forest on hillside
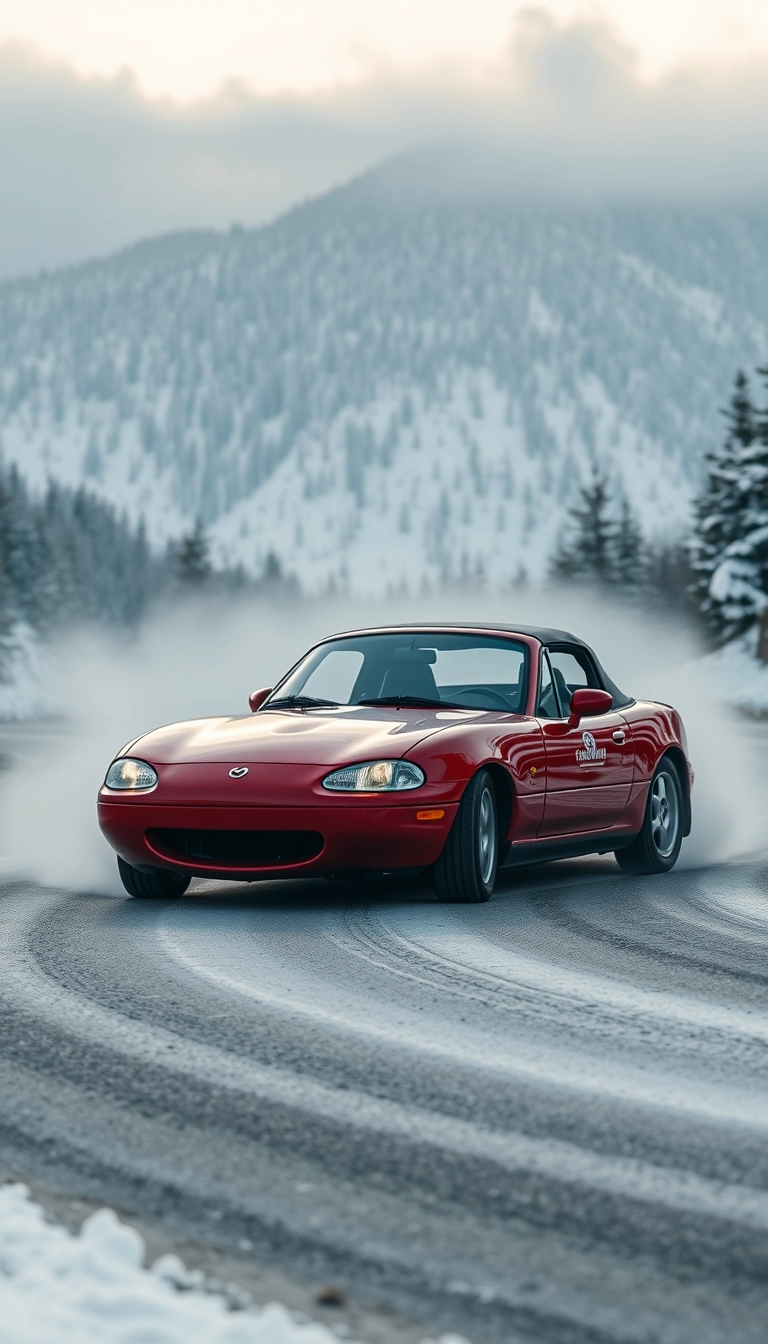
{"x":370,"y":375}
{"x":68,"y":558}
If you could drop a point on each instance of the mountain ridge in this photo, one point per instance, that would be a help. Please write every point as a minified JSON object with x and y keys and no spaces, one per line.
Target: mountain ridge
{"x":385,"y":388}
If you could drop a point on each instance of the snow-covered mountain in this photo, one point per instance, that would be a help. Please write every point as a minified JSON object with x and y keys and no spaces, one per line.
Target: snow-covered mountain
{"x":388,"y":388}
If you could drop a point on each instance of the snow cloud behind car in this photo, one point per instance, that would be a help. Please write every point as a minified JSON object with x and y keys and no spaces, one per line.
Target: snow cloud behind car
{"x":111,"y":690}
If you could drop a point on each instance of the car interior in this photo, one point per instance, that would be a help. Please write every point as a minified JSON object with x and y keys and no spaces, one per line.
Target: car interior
{"x":409,"y":671}
{"x":427,"y":668}
{"x":562,"y":672}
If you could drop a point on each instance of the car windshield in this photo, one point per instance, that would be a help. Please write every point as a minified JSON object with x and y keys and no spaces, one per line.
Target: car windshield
{"x":422,"y":669}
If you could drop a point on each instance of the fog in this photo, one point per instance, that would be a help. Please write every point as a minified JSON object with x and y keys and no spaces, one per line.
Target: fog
{"x":202,"y":659}
{"x":89,"y":165}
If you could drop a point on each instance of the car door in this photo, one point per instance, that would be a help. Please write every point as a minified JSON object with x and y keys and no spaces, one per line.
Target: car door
{"x":589,"y":769}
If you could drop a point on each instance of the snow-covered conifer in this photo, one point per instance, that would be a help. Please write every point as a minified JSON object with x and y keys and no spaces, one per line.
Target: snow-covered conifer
{"x":602,"y":545}
{"x":192,"y":563}
{"x":586,"y":551}
{"x":729,"y":547}
{"x":630,"y":558}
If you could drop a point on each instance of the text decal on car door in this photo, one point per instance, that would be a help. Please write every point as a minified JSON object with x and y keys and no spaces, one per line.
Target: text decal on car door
{"x":591,"y":754}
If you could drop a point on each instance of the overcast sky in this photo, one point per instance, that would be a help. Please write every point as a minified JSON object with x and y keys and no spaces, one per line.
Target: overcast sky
{"x":120,"y":118}
{"x":188,"y":48}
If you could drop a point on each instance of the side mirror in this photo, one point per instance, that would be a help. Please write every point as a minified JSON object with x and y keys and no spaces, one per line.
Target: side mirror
{"x":257,"y":698}
{"x":587,"y":701}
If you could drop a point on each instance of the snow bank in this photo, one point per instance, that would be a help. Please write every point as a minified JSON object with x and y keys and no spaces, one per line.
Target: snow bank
{"x":740,"y":678}
{"x":60,"y":1288}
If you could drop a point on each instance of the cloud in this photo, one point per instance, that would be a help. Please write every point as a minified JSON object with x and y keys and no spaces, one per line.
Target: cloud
{"x":89,"y":165}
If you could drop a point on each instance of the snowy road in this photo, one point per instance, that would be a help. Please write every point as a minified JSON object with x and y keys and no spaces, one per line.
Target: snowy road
{"x":542,"y":1119}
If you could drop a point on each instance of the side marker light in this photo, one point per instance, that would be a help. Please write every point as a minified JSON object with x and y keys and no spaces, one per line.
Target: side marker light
{"x":434,"y":814}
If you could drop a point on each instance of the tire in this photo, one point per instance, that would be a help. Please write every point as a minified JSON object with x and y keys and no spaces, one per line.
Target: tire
{"x":656,"y":848}
{"x":159,"y":885}
{"x":466,"y":869}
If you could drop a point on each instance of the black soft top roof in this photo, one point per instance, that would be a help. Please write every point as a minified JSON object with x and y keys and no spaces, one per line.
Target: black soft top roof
{"x":544,"y":634}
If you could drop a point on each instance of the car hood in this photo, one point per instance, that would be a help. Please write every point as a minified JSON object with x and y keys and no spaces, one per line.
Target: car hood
{"x":291,"y":737}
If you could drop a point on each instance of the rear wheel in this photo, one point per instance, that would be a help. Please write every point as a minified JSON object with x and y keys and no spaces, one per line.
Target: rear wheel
{"x":158,"y":885}
{"x":466,"y":869}
{"x":656,"y":848}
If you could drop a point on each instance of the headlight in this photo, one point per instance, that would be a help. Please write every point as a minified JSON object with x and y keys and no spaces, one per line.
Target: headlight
{"x":375,"y":777}
{"x":129,"y":774}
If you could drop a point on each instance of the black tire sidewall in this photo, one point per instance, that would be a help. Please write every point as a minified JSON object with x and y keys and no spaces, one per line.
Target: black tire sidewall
{"x":457,"y":873}
{"x":483,"y":785}
{"x":160,"y":885}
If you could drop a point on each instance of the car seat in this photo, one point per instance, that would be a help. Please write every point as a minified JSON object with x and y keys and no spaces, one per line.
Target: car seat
{"x":410,"y":679}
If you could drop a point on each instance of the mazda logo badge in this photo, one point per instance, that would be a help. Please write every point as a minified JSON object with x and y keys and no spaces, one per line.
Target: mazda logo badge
{"x":238,"y":772}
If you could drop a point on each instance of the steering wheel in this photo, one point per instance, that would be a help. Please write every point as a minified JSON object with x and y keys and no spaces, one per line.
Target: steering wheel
{"x":499,"y":700}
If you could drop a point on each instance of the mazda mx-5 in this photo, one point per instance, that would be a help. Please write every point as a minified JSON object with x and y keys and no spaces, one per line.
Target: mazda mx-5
{"x":455,"y":749}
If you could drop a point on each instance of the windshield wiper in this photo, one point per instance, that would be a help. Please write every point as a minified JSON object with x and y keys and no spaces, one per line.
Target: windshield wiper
{"x":300,"y":702}
{"x":417,"y":701}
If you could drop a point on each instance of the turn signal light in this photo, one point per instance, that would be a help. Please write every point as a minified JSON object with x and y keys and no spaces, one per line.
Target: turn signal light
{"x":435,"y":814}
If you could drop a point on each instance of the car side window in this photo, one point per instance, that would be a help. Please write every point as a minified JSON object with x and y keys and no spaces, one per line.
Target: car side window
{"x":546,"y":704}
{"x":570,"y":672}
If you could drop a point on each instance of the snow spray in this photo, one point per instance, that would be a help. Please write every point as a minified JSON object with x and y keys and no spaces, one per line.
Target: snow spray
{"x":204,"y":656}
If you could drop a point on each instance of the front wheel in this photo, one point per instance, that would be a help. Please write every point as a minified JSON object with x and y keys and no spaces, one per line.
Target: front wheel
{"x":159,"y":885}
{"x":656,"y":848}
{"x":466,"y":869}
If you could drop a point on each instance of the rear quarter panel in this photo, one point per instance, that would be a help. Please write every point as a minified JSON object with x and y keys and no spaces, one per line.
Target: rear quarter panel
{"x":654,"y":729}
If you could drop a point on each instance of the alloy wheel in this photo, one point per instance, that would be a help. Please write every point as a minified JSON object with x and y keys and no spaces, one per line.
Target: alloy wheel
{"x":665,"y":814}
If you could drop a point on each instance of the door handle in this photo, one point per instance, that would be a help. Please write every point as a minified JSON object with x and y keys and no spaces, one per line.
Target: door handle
{"x":619,"y":736}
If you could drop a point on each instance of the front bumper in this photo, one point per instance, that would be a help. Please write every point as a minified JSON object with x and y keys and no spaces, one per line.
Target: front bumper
{"x":356,"y":834}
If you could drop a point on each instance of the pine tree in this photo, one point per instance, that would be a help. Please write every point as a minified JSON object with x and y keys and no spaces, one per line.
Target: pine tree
{"x":729,"y":548}
{"x":717,"y":521}
{"x":7,"y":605}
{"x":192,"y":563}
{"x":587,"y":552}
{"x":760,"y":417}
{"x":669,"y":578}
{"x":630,"y":562}
{"x":273,"y":570}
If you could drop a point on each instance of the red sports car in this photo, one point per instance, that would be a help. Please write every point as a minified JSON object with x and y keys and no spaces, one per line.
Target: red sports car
{"x":457,"y":748}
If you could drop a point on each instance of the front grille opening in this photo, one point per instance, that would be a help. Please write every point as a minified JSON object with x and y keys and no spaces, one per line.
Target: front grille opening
{"x":238,"y":849}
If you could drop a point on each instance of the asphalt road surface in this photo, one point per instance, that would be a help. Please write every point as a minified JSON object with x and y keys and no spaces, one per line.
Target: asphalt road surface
{"x":541,"y":1119}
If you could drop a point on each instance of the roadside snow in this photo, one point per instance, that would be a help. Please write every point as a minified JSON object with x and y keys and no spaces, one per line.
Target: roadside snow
{"x":740,"y":678}
{"x":60,"y":1288}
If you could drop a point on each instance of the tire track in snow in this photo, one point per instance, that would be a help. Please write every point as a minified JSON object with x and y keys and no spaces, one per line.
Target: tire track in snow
{"x":486,"y":992}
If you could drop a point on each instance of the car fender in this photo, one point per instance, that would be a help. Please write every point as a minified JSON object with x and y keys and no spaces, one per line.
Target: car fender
{"x":511,"y":749}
